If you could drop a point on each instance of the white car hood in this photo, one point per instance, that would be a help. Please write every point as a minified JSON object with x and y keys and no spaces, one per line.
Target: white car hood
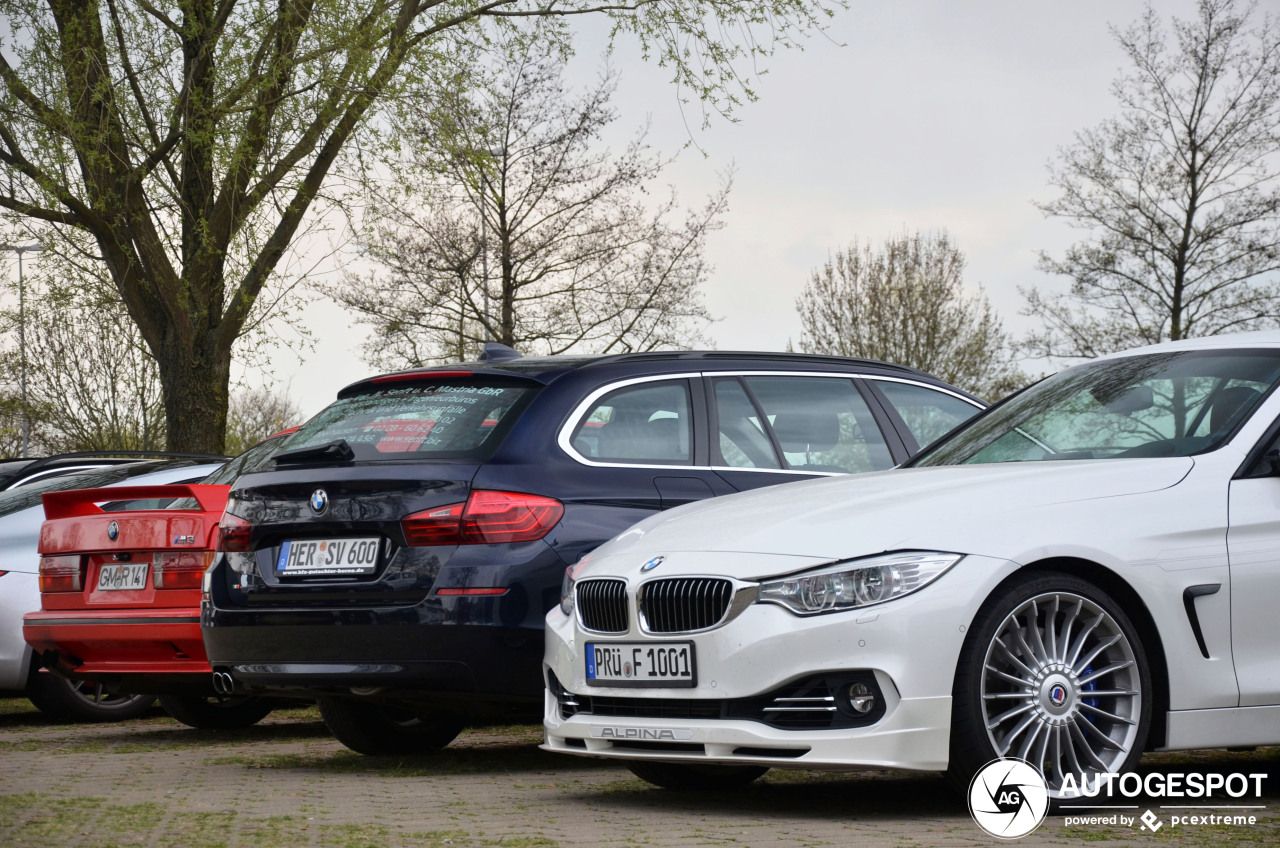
{"x":973,"y":509}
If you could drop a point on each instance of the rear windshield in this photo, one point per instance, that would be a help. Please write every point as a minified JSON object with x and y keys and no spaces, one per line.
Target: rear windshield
{"x":456,"y":420}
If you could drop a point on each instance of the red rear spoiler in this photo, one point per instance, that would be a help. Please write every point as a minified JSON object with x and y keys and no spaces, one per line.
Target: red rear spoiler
{"x":75,"y":502}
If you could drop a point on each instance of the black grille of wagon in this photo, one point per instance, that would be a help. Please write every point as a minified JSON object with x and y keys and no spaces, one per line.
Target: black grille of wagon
{"x":602,"y":605}
{"x":682,"y":604}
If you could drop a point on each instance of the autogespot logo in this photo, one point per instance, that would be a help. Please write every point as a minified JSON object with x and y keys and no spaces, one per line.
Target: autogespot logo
{"x":1008,"y":798}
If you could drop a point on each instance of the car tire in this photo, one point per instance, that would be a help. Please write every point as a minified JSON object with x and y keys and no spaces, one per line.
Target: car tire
{"x":1041,"y":638}
{"x":213,"y":712}
{"x":695,"y":776}
{"x":378,"y":730}
{"x":82,"y":701}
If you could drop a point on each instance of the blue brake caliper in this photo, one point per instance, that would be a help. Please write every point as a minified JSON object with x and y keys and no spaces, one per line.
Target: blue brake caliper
{"x":1089,"y":687}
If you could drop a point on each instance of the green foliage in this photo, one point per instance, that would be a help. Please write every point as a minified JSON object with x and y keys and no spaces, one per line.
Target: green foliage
{"x":194,"y":144}
{"x":91,"y":383}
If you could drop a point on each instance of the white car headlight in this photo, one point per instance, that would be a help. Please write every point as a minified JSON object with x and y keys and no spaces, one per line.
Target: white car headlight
{"x":566,"y":586}
{"x":857,"y":583}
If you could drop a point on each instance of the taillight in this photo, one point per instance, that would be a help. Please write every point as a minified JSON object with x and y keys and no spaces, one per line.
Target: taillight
{"x":233,"y":533}
{"x":441,"y":525}
{"x":486,"y":518}
{"x":180,"y":569}
{"x":493,"y":517}
{"x":60,"y":573}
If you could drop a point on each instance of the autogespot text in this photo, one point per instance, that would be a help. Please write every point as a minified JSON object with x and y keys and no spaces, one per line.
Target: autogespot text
{"x":1157,"y":785}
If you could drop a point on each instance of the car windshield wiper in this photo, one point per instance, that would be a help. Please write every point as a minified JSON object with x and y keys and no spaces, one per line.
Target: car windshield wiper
{"x":334,"y":452}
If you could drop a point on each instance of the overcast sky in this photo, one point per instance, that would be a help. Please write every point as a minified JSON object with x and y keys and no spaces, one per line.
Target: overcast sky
{"x":915,"y":115}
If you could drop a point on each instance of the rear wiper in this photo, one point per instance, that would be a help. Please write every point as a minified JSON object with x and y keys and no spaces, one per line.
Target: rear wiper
{"x":335,"y":451}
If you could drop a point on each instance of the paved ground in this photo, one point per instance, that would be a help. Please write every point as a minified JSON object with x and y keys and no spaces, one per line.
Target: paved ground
{"x":154,"y":782}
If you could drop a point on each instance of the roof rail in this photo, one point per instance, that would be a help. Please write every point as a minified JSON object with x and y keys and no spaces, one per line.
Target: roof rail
{"x":783,"y":356}
{"x":45,"y":462}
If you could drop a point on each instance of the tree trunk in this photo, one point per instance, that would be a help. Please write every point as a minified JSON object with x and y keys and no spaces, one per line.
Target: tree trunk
{"x":195,"y":394}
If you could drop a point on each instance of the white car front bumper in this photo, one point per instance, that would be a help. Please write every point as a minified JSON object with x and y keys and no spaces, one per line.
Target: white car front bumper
{"x":909,"y":646}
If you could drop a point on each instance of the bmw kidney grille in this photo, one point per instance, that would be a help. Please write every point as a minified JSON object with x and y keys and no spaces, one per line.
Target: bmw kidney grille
{"x":681,"y":604}
{"x":602,"y":605}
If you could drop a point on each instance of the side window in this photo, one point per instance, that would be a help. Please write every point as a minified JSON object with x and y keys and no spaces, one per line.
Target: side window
{"x":821,"y":423}
{"x":741,"y":439}
{"x":648,"y":423}
{"x":928,"y":414}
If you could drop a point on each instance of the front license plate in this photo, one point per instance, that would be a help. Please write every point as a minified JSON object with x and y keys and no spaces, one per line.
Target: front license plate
{"x":121,"y":576}
{"x":641,"y":664}
{"x":328,"y":557}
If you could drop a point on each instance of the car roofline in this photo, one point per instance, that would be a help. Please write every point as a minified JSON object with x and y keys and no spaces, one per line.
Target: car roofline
{"x":558,"y":365}
{"x":123,"y":456}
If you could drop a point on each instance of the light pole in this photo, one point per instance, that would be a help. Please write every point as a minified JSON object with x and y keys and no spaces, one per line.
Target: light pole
{"x":493,"y":153}
{"x":22,"y":337}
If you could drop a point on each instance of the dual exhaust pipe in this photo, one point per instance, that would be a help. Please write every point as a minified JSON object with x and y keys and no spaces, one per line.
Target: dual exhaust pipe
{"x":224,"y":683}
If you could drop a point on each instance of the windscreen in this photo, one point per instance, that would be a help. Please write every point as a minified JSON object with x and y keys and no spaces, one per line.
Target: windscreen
{"x":1162,"y":404}
{"x":446,"y":420}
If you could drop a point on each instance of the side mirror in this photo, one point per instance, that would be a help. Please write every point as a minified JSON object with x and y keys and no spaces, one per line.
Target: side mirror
{"x":1268,"y":464}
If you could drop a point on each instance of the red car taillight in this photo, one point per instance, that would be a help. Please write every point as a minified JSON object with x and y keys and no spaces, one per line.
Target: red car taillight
{"x":180,"y":569}
{"x":486,"y":518}
{"x":60,"y":573}
{"x":233,"y":533}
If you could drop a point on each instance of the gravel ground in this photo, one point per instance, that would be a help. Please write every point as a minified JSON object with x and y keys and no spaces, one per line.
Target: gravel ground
{"x":286,"y":782}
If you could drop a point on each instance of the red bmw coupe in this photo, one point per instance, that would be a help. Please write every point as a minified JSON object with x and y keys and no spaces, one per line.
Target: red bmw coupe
{"x":120,"y":572}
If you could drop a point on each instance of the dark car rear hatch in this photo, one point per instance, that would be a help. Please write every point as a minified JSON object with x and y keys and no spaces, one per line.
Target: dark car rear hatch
{"x":327,"y":525}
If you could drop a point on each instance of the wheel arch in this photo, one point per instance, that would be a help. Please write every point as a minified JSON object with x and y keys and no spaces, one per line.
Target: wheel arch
{"x":1134,"y":607}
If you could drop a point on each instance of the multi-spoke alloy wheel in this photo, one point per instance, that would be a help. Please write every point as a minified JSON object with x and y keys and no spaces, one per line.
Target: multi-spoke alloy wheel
{"x":1054,"y":675}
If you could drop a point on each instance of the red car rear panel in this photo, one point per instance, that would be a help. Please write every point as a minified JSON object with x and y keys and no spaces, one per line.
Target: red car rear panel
{"x":98,"y":631}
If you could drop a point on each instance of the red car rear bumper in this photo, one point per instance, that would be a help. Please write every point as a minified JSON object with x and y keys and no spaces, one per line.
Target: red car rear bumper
{"x":106,"y":643}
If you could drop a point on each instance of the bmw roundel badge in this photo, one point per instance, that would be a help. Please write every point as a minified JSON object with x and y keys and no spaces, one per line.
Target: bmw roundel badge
{"x":652,"y":564}
{"x":113,"y":531}
{"x":319,"y":501}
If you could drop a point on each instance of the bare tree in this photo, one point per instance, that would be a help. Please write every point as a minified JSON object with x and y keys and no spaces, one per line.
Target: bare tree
{"x":1180,"y":194}
{"x":509,"y":222}
{"x":91,"y":382}
{"x":192,"y":141}
{"x":257,"y":413}
{"x":906,"y":303}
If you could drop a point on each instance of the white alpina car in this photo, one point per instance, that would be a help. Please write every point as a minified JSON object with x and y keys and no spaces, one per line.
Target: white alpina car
{"x":1089,"y":570}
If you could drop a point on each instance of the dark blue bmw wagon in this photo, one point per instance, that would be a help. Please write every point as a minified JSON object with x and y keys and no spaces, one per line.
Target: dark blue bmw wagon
{"x":397,"y":557}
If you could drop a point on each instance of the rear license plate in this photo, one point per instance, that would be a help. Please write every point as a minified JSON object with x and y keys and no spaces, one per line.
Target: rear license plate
{"x":641,"y":664}
{"x":121,"y":576}
{"x":328,"y":557}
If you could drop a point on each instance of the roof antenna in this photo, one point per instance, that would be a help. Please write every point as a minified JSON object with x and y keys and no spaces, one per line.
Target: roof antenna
{"x":494,"y":352}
